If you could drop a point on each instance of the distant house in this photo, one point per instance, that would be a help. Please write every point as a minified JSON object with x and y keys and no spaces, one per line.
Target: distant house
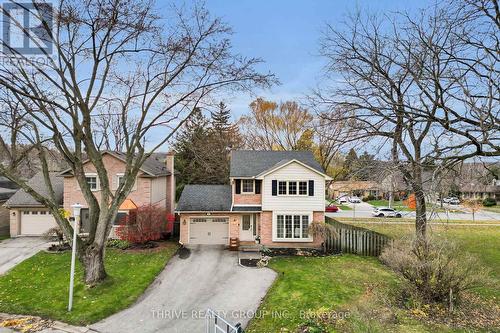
{"x":155,"y":185}
{"x":272,"y":196}
{"x":473,"y":191}
{"x":357,"y":188}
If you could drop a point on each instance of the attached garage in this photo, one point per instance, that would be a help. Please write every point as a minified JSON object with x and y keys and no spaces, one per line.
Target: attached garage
{"x":36,"y":222}
{"x":209,"y":230}
{"x":28,"y":217}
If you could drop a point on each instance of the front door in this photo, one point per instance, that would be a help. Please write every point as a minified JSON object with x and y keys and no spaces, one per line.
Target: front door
{"x":248,"y":227}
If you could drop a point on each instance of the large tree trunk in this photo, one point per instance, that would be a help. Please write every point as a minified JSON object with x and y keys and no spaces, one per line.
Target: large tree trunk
{"x":421,"y":208}
{"x":93,"y":264}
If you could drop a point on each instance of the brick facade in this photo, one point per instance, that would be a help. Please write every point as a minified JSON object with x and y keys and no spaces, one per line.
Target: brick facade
{"x":264,"y":228}
{"x":140,"y":195}
{"x":248,"y":199}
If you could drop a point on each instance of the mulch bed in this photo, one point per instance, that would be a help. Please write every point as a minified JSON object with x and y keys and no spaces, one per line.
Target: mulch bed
{"x":302,"y":252}
{"x":56,"y":248}
{"x":249,"y":262}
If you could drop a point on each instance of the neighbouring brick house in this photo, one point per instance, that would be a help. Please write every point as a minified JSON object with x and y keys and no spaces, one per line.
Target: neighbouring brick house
{"x":155,"y":185}
{"x":272,"y":196}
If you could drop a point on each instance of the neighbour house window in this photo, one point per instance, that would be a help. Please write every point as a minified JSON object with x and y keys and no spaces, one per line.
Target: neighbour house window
{"x":293,"y":226}
{"x":119,"y":180}
{"x":120,"y":218}
{"x":247,"y":186}
{"x":92,"y":181}
{"x":292,"y":188}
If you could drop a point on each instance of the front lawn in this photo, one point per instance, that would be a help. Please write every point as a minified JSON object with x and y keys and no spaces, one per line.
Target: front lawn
{"x":481,"y":241}
{"x":364,"y":289}
{"x":319,"y":283}
{"x":39,"y":285}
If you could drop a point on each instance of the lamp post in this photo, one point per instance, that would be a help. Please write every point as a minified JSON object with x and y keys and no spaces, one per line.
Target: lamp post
{"x":76,"y":226}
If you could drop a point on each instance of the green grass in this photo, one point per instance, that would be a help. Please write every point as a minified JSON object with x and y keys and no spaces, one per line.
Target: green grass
{"x":39,"y":285}
{"x":315,"y":284}
{"x":344,"y":207}
{"x":494,"y":209}
{"x":411,"y":220}
{"x":482,"y":242}
{"x":362,"y":286}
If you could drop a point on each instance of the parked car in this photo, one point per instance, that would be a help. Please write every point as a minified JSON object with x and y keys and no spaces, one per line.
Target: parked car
{"x":342,"y":200}
{"x":354,"y":200}
{"x":331,"y":208}
{"x":451,"y":200}
{"x":386,"y":212}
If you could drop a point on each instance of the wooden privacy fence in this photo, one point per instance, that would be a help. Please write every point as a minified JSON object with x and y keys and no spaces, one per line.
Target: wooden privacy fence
{"x":356,"y":240}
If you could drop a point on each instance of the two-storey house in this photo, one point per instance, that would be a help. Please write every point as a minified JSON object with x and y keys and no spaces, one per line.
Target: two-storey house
{"x":272,"y":196}
{"x":154,"y":185}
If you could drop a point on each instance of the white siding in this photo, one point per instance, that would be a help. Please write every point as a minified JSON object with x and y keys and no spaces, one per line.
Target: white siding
{"x":158,"y":190}
{"x":294,"y":171}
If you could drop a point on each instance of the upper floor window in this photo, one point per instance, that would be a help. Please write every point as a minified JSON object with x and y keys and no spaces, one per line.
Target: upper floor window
{"x":302,"y":188}
{"x":247,"y":186}
{"x":292,"y":187}
{"x":92,"y":182}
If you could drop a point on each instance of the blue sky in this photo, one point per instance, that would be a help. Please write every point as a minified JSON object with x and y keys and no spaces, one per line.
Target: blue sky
{"x":285,"y":34}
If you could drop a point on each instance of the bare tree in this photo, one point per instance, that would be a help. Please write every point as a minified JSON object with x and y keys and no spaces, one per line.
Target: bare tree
{"x":116,"y":55}
{"x":274,"y":126}
{"x":420,"y":85}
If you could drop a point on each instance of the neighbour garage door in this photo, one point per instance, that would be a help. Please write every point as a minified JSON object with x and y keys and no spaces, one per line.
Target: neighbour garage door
{"x":209,"y":230}
{"x":36,"y":222}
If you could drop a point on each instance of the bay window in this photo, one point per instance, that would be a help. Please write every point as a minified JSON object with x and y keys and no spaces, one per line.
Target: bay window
{"x":292,"y":227}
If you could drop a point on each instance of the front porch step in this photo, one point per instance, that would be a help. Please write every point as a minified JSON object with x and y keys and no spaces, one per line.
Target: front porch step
{"x":250,"y":248}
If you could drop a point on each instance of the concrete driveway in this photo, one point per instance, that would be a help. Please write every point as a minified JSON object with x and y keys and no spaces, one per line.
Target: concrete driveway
{"x":15,"y":250}
{"x":176,"y":303}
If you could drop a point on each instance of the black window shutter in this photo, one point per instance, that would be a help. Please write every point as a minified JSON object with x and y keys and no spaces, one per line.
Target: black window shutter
{"x":275,"y":188}
{"x":238,"y":186}
{"x":257,"y":186}
{"x":311,"y":188}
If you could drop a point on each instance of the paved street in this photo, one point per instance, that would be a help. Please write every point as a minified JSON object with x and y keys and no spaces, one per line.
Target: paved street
{"x":364,"y":210}
{"x":15,"y":250}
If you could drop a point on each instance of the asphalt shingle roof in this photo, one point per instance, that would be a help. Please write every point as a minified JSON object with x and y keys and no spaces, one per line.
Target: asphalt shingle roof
{"x":250,"y":163}
{"x":247,"y":209}
{"x":6,"y":193}
{"x":37,"y":183}
{"x":154,"y":165}
{"x":205,"y":198}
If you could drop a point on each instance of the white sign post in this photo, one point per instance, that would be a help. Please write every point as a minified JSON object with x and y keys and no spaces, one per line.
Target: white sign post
{"x":76,"y":226}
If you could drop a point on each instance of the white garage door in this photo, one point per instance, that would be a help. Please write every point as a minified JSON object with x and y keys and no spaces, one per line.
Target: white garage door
{"x":36,"y":222}
{"x":209,"y":230}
